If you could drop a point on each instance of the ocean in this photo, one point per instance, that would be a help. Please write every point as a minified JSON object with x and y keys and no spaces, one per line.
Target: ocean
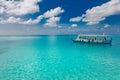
{"x":58,"y":58}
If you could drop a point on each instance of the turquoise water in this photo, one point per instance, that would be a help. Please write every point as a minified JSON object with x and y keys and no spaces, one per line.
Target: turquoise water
{"x":57,"y":58}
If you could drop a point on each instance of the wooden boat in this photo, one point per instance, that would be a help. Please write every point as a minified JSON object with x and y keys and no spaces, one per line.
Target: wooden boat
{"x":97,"y":39}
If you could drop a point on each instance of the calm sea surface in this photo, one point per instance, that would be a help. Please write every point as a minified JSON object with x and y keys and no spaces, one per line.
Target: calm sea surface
{"x":58,"y":58}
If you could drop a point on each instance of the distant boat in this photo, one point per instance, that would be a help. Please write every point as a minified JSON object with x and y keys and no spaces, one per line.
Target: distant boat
{"x":97,"y":39}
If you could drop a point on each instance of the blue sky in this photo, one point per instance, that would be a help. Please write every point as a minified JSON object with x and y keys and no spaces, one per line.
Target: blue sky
{"x":24,"y":17}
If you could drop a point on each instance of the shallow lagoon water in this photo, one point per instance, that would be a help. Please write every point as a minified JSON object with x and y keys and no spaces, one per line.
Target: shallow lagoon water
{"x":57,"y":58}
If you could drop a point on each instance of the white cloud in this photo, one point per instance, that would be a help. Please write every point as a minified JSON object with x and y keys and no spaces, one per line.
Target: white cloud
{"x":11,"y":11}
{"x":53,"y":12}
{"x":74,"y":25}
{"x":51,"y":15}
{"x":52,"y":22}
{"x":37,"y":20}
{"x":76,"y":19}
{"x":99,"y":13}
{"x":59,"y":26}
{"x":13,"y":19}
{"x":10,"y":20}
{"x":106,"y":25}
{"x":20,"y":7}
{"x":1,"y":10}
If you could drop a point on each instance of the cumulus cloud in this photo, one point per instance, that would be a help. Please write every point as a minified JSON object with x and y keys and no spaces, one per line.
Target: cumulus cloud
{"x":106,"y":25}
{"x":52,"y":22}
{"x":1,"y":10}
{"x":74,"y":25}
{"x":59,"y":26}
{"x":13,"y":19}
{"x":75,"y":19}
{"x":53,"y":12}
{"x":19,"y":7}
{"x":37,"y":20}
{"x":51,"y":15}
{"x":99,"y":13}
{"x":10,"y":20}
{"x":11,"y":11}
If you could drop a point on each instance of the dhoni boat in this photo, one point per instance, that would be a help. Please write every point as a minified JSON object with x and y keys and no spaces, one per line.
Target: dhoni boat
{"x":97,"y":39}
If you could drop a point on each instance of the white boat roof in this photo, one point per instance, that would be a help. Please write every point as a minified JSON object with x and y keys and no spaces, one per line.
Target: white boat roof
{"x":93,"y":35}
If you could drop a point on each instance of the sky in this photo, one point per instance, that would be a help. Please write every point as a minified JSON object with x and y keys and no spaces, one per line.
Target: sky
{"x":36,"y":17}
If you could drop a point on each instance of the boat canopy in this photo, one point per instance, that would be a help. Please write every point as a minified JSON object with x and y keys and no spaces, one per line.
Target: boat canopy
{"x":93,"y":35}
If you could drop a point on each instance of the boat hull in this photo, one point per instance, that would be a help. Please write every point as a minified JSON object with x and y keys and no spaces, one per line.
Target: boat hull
{"x":92,"y":42}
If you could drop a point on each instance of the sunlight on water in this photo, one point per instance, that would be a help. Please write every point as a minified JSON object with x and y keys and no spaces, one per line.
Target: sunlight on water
{"x":57,"y":58}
